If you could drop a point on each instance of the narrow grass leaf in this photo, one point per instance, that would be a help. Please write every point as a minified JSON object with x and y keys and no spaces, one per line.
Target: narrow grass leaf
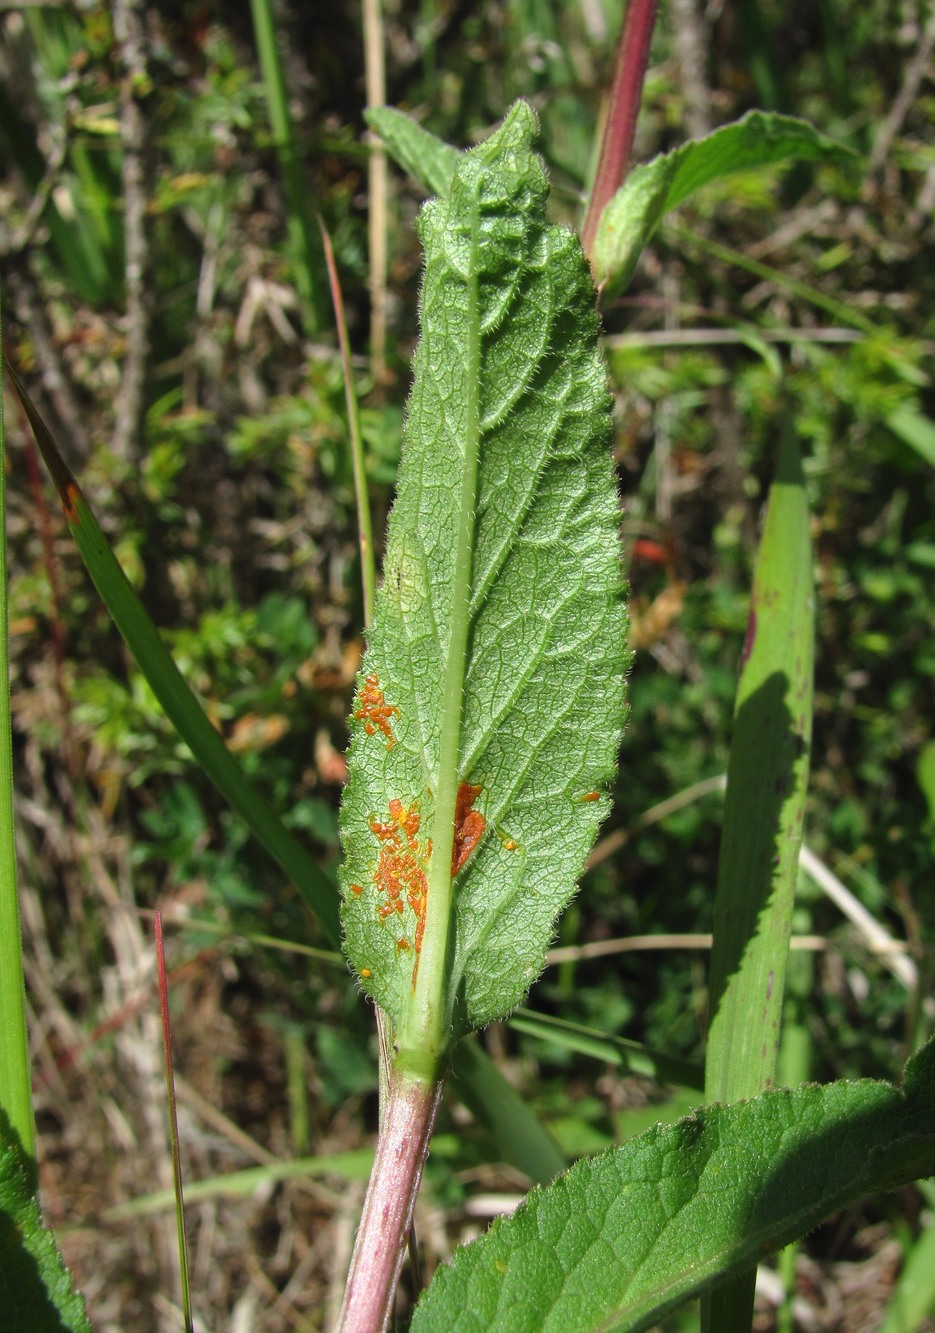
{"x":764,"y":809}
{"x":430,"y":160}
{"x":35,"y":1286}
{"x":15,"y":1075}
{"x":520,"y":1136}
{"x":914,"y":1295}
{"x":650,"y":191}
{"x":630,"y":1056}
{"x":623,"y":1238}
{"x":491,"y":698}
{"x":915,"y":429}
{"x":764,"y":805}
{"x":169,"y":687}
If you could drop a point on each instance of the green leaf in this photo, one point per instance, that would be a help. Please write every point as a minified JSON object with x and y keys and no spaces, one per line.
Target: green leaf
{"x":496,"y":657}
{"x":650,"y":191}
{"x":764,"y":809}
{"x":15,"y":1074}
{"x":429,"y":159}
{"x":915,"y":429}
{"x":622,"y":1238}
{"x":36,"y":1291}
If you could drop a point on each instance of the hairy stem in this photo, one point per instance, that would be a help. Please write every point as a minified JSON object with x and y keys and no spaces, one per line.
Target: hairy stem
{"x":402,"y":1148}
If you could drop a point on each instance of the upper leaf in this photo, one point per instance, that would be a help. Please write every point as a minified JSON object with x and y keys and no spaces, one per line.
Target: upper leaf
{"x":650,"y":191}
{"x":426,"y":157}
{"x":490,"y":701}
{"x":620,"y":1239}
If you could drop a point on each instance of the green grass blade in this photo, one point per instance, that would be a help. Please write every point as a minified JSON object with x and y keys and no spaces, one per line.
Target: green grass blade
{"x":174,"y":695}
{"x":631,"y":1056}
{"x":520,"y":1135}
{"x":763,"y":814}
{"x":15,"y":1084}
{"x":302,"y":245}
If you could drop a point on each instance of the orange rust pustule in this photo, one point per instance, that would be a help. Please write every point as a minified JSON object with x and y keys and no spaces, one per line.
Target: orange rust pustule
{"x":70,"y":497}
{"x":400,"y":873}
{"x":373,"y":710}
{"x":469,"y":826}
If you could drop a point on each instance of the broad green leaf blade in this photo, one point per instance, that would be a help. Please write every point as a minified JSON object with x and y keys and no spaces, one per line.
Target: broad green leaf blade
{"x":492,"y":692}
{"x":36,"y":1291}
{"x":650,"y":191}
{"x":169,"y":687}
{"x":630,"y":1056}
{"x":764,"y":806}
{"x":764,"y":809}
{"x":15,"y":1076}
{"x":622,"y":1238}
{"x":430,"y":160}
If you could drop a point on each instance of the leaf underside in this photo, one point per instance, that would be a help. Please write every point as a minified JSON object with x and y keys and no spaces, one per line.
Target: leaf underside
{"x":622,"y":1238}
{"x":495,"y":661}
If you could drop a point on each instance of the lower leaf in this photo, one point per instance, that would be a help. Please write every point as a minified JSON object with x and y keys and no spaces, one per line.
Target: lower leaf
{"x":622,"y":1238}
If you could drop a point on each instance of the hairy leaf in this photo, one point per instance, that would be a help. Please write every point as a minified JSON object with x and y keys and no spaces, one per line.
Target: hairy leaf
{"x":426,"y":157}
{"x":622,"y":1238}
{"x":36,"y":1292}
{"x":490,"y":701}
{"x":650,"y":191}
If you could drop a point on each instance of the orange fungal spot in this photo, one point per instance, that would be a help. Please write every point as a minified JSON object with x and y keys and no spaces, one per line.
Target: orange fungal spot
{"x":70,"y":501}
{"x":365,"y":972}
{"x":400,"y":876}
{"x":356,"y":889}
{"x":469,"y":826}
{"x":373,"y":710}
{"x":509,"y":844}
{"x":590,"y":796}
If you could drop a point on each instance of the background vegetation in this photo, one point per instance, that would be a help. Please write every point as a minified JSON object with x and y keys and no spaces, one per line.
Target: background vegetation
{"x":164,"y":293}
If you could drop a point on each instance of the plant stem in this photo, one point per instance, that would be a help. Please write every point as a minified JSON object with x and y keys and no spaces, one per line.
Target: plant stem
{"x":626,"y":92}
{"x":377,"y":185}
{"x":394,"y":1183}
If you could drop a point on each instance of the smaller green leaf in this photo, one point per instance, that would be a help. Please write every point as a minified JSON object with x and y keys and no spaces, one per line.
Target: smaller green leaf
{"x":650,"y":191}
{"x":915,"y":429}
{"x":620,"y":1239}
{"x":36,"y":1290}
{"x":429,"y":159}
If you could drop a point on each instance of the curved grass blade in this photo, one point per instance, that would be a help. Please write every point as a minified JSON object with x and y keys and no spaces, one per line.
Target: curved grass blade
{"x":623,"y":1238}
{"x":169,"y":687}
{"x":491,"y":698}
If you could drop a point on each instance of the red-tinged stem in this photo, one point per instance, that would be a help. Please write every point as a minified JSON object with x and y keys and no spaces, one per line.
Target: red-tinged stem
{"x":402,"y":1148}
{"x":623,"y":106}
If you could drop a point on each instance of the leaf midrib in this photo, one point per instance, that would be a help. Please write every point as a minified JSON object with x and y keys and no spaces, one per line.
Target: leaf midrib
{"x":424,"y":1029}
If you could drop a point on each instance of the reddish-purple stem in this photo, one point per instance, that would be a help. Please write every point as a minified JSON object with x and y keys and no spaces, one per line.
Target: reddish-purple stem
{"x":623,"y":106}
{"x":402,"y":1148}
